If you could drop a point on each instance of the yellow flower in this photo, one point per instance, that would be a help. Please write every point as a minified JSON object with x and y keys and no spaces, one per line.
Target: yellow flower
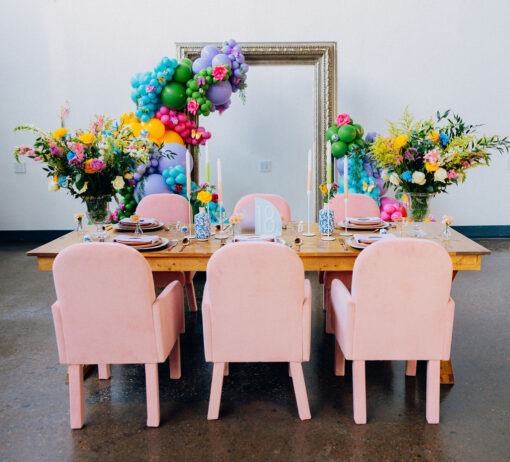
{"x":204,"y":196}
{"x":323,"y":188}
{"x":399,"y":142}
{"x":87,"y":138}
{"x":59,"y":133}
{"x":78,"y":216}
{"x":128,"y":175}
{"x":118,"y":182}
{"x":431,"y":167}
{"x":135,"y":218}
{"x":434,"y":136}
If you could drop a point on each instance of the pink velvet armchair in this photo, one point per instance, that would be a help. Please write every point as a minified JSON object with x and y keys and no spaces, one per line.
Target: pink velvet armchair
{"x":106,"y":313}
{"x":170,"y":208}
{"x":399,"y":309}
{"x":256,"y":308}
{"x":246,"y":206}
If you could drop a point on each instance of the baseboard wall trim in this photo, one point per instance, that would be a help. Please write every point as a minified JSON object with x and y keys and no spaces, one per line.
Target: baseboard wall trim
{"x":46,"y":235}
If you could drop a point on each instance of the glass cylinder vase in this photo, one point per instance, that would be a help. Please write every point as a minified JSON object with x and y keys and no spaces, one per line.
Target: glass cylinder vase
{"x":418,"y":210}
{"x":202,"y":225}
{"x":98,"y":213}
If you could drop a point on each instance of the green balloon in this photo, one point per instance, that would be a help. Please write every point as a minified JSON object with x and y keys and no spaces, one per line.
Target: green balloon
{"x":196,"y":95}
{"x":338,"y":149}
{"x":173,"y":95}
{"x":330,"y":132}
{"x":193,"y":85}
{"x":201,"y":101}
{"x":359,"y":130}
{"x":346,"y":133}
{"x":183,"y":73}
{"x":208,"y":79}
{"x":206,"y":113}
{"x":186,"y":62}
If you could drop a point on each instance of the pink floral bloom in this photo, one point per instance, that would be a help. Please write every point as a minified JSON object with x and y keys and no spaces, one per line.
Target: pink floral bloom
{"x":193,"y":106}
{"x":56,"y":151}
{"x":466,"y":164}
{"x":30,"y":153}
{"x":78,"y":132}
{"x":452,"y":175}
{"x":343,"y":119}
{"x":219,"y":72}
{"x":38,"y":158}
{"x":149,"y":88}
{"x":78,"y":149}
{"x":432,"y":156}
{"x":410,"y":153}
{"x":97,"y":165}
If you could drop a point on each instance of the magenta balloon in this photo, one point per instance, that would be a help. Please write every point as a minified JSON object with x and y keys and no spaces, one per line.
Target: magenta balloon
{"x":219,"y":93}
{"x":178,"y":159}
{"x":209,"y":52}
{"x":152,"y":184}
{"x":200,"y":64}
{"x":221,"y":59}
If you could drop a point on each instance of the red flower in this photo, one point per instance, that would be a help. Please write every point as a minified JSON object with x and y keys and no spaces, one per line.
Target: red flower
{"x":178,"y":187}
{"x":214,"y":198}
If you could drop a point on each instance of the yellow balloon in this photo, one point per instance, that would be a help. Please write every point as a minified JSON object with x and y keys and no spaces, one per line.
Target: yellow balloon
{"x":136,"y":127}
{"x":172,"y":137}
{"x":158,"y":141}
{"x":155,"y":127}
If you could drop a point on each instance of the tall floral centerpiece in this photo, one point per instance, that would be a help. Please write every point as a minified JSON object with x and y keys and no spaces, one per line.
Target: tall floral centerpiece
{"x":91,"y":165}
{"x":421,"y":158}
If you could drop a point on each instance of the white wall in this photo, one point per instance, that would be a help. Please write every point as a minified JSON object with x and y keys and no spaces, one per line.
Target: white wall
{"x":426,"y":54}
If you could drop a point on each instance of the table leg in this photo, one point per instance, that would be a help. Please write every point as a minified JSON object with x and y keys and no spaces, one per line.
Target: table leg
{"x":447,"y":377}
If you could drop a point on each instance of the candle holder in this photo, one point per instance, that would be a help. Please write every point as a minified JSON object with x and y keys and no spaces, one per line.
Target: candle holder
{"x":308,"y":233}
{"x":190,"y":236}
{"x":345,"y":233}
{"x":221,"y":234}
{"x":328,"y":237}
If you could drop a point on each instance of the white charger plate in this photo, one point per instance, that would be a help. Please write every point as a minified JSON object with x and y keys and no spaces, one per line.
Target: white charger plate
{"x":132,"y":230}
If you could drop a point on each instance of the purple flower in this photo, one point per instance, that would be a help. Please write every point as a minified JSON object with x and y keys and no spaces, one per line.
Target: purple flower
{"x":56,"y":151}
{"x":97,"y":165}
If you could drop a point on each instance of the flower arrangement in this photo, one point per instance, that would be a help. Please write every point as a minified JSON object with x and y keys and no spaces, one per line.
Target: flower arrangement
{"x":236,"y":218}
{"x":324,"y":190}
{"x":426,"y":156}
{"x":93,"y":163}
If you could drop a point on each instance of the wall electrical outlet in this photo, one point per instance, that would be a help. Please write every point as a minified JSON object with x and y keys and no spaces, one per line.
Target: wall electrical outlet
{"x":19,"y":167}
{"x":265,"y":166}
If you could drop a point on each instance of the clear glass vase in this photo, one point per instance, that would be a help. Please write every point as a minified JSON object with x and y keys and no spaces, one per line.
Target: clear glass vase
{"x":418,"y":210}
{"x":97,"y":213}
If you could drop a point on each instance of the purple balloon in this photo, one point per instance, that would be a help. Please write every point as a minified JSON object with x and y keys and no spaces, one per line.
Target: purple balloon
{"x":379,"y":183}
{"x":219,"y":93}
{"x":178,"y":159}
{"x":137,"y":176}
{"x":209,"y":52}
{"x":153,"y":184}
{"x":221,"y":59}
{"x":340,"y":166}
{"x":200,"y":64}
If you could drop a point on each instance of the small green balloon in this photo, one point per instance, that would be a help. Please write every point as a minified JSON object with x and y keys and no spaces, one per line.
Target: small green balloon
{"x":204,"y":107}
{"x":193,"y":85}
{"x":347,"y":133}
{"x":208,"y":79}
{"x":338,"y":149}
{"x":196,"y":95}
{"x":201,"y":101}
{"x":173,"y":95}
{"x":186,"y":62}
{"x":333,"y":130}
{"x":183,"y":73}
{"x":208,"y":103}
{"x":206,"y":113}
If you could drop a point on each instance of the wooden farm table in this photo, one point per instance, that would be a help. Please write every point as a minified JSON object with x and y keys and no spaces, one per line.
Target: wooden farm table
{"x":317,"y":255}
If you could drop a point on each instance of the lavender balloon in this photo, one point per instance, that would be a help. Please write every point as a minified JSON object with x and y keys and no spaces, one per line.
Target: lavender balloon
{"x":179,"y":157}
{"x":221,"y":59}
{"x":153,"y":184}
{"x":209,"y":52}
{"x":219,"y":93}
{"x":200,"y":64}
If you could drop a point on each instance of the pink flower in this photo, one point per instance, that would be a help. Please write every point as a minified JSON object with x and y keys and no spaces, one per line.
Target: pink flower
{"x":30,"y":153}
{"x":38,"y":158}
{"x":97,"y":165}
{"x":56,"y":151}
{"x":452,"y":175}
{"x":410,"y":153}
{"x":343,"y":119}
{"x":432,"y":156}
{"x":193,"y":106}
{"x":219,"y":72}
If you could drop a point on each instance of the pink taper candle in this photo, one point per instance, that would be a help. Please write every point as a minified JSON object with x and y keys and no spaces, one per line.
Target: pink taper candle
{"x":220,"y":182}
{"x":346,"y":176}
{"x":188,"y":173}
{"x":309,"y":182}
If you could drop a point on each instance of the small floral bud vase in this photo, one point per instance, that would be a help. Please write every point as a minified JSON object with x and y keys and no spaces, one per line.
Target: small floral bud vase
{"x":202,"y":225}
{"x":326,"y":220}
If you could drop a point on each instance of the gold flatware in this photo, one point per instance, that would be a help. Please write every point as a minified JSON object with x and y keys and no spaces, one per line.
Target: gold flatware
{"x":342,"y":240}
{"x":172,"y":245}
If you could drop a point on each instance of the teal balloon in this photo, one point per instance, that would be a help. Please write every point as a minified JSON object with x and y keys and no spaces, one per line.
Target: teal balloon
{"x":181,"y":178}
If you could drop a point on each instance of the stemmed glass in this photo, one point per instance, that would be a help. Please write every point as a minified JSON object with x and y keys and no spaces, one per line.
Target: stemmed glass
{"x":220,"y":216}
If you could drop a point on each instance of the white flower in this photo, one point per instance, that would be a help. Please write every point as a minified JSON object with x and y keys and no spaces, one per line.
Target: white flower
{"x":419,"y":178}
{"x":384,"y":175}
{"x":84,"y":188}
{"x":440,"y":175}
{"x":52,"y":186}
{"x":118,"y":182}
{"x":394,"y":179}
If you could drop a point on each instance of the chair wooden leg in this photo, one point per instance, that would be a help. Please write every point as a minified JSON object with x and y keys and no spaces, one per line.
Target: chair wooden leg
{"x":152,"y":394}
{"x":175,"y":360}
{"x":339,"y":360}
{"x":359,"y":392}
{"x":76,"y":398}
{"x":433,"y":385}
{"x":226,"y":370}
{"x":215,"y":396}
{"x":411,"y":367}
{"x":103,"y":371}
{"x":321,"y":277}
{"x":190,"y":294}
{"x":298,"y":380}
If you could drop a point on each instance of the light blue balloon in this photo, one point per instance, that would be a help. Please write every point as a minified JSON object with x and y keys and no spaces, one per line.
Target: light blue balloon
{"x":181,"y":178}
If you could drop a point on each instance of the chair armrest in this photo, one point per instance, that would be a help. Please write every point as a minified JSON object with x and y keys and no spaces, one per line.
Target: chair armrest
{"x":343,"y":311}
{"x":168,"y":312}
{"x":447,"y":345}
{"x":206,"y":321}
{"x":59,"y":332}
{"x":307,"y":320}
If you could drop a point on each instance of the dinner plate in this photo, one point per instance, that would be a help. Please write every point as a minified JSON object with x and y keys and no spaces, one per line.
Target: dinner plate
{"x":131,"y":230}
{"x":164,"y":243}
{"x":355,"y":245}
{"x":384,"y":225}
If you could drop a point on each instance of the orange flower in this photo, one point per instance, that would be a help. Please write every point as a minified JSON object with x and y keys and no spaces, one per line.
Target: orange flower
{"x":434,"y":136}
{"x":88,"y":169}
{"x":431,"y":167}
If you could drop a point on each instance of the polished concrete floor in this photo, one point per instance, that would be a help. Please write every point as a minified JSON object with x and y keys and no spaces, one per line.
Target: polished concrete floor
{"x":258,"y":417}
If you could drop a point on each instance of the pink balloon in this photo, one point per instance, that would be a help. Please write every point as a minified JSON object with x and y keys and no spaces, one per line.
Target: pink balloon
{"x":194,"y":141}
{"x":164,"y":110}
{"x":179,"y":128}
{"x":385,"y":216}
{"x":185,"y":133}
{"x":389,"y":208}
{"x":182,"y":117}
{"x":172,"y":113}
{"x":165,"y":119}
{"x":396,"y":215}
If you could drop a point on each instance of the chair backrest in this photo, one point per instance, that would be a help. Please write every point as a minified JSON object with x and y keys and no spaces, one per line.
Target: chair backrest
{"x":359,"y":205}
{"x":256,"y":293}
{"x":246,"y":206}
{"x":103,"y":312}
{"x":402,"y":290}
{"x":164,"y":207}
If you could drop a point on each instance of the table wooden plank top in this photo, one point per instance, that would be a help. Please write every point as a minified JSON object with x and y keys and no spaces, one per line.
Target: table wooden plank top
{"x":315,"y":253}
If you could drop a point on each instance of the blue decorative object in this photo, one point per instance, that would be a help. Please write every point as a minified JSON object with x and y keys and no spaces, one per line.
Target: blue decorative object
{"x":202,"y":225}
{"x":267,"y":218}
{"x":326,"y":220}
